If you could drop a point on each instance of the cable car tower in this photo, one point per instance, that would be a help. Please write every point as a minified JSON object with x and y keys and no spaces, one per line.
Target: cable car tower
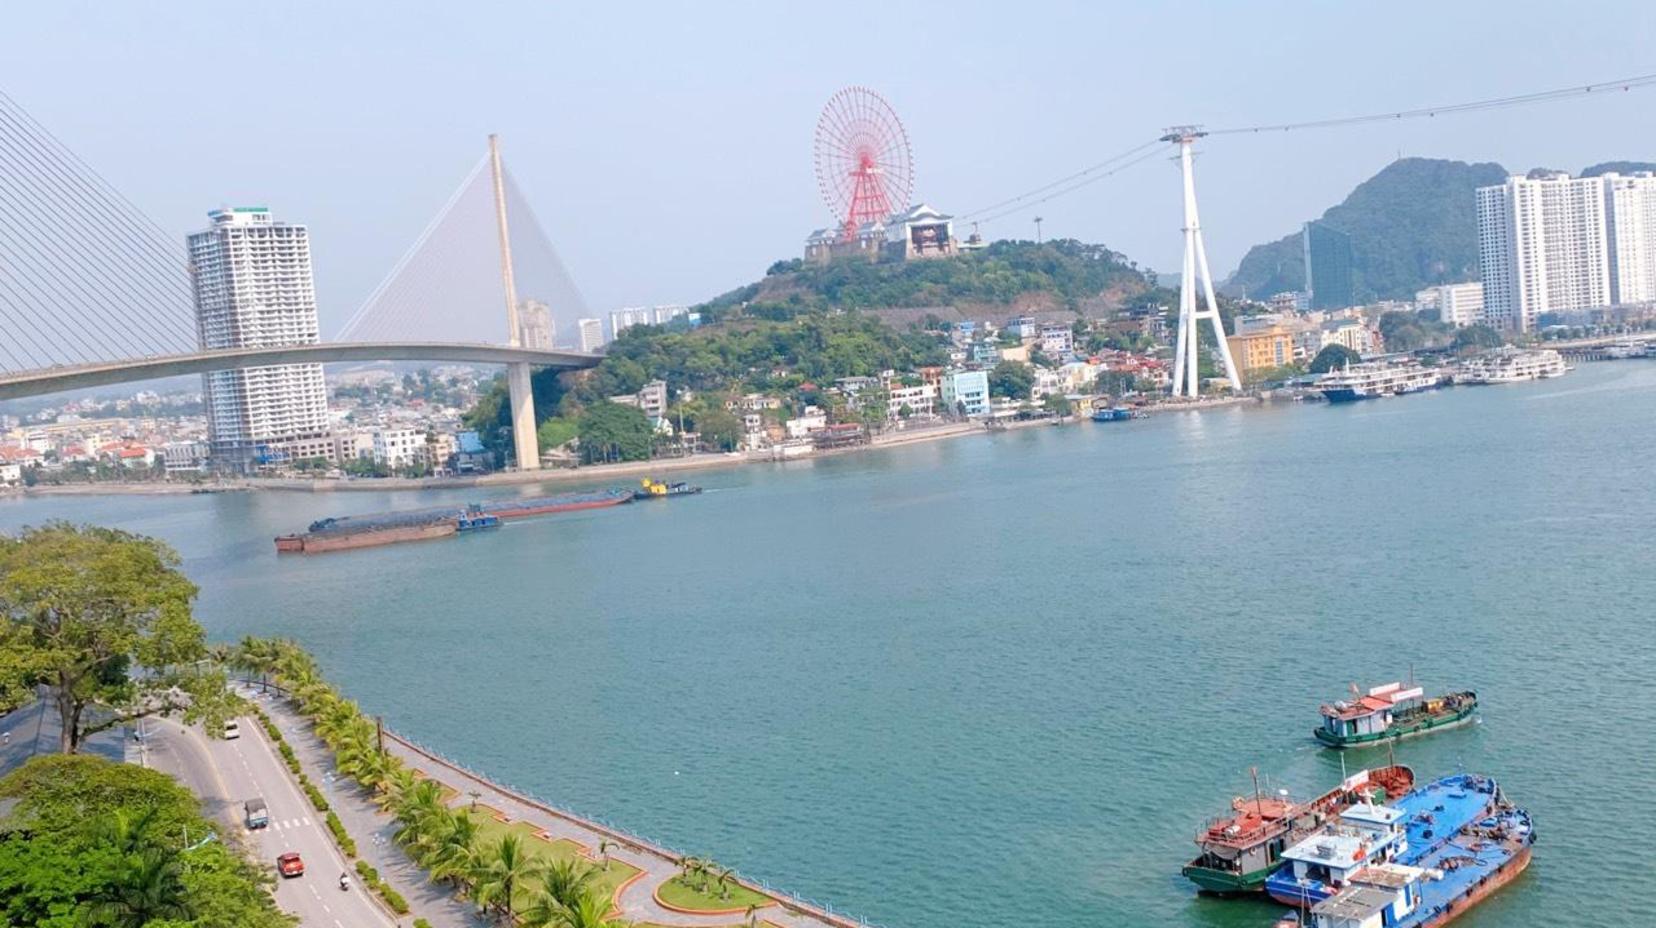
{"x":1187,"y":375}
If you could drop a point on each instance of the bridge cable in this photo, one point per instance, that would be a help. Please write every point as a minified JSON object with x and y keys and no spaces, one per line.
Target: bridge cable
{"x":368,"y":304}
{"x":73,"y":306}
{"x":71,"y":260}
{"x":169,"y":310}
{"x":130,"y":214}
{"x":31,"y":278}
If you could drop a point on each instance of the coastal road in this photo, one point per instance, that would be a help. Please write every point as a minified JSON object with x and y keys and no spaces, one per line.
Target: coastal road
{"x":226,"y":774}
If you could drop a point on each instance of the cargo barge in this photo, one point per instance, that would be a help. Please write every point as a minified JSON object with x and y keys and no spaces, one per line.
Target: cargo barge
{"x":1241,"y":849}
{"x":347,"y":532}
{"x":1418,"y":863}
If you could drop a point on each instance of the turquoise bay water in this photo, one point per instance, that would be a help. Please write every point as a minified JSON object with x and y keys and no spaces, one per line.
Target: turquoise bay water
{"x":1002,"y":679}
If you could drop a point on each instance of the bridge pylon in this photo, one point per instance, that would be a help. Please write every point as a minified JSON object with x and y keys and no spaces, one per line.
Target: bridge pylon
{"x":524,"y":438}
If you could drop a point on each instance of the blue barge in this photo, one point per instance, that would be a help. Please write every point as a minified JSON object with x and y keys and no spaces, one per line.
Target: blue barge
{"x":1419,"y":863}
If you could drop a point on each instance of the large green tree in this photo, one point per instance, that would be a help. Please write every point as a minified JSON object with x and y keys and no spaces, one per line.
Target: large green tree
{"x":613,"y":432}
{"x":93,"y":843}
{"x":1012,"y":379}
{"x":1333,"y":357}
{"x":102,"y":618}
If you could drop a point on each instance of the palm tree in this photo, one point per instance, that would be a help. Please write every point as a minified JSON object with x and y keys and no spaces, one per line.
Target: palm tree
{"x":149,"y":886}
{"x":450,"y":847}
{"x":562,"y":884}
{"x":504,"y":866}
{"x":592,"y":910}
{"x":422,"y":818}
{"x":125,"y":832}
{"x":725,"y":875}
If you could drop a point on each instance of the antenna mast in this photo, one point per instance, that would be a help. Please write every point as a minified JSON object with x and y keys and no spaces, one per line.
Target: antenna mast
{"x":1187,"y":376}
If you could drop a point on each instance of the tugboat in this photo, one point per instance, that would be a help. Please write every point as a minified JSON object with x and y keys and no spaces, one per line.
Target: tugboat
{"x":474,"y":519}
{"x":1390,"y":711}
{"x":655,"y":489}
{"x":1112,"y":414}
{"x":1241,"y":849}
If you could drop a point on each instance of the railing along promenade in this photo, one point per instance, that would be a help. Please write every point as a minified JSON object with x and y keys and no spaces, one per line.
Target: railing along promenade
{"x":793,"y":902}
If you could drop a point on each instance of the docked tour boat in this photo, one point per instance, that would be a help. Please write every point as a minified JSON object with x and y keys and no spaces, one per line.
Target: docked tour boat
{"x":1376,"y":379}
{"x":1390,"y":711}
{"x":1511,"y":365}
{"x":1240,"y":849}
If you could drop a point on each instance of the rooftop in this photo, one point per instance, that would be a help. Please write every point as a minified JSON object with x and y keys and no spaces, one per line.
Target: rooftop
{"x":1372,"y":814}
{"x":1358,"y":902}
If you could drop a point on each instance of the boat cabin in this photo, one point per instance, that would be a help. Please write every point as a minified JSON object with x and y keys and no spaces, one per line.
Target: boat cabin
{"x":1365,"y":834}
{"x":1370,"y":714}
{"x":1379,"y":896}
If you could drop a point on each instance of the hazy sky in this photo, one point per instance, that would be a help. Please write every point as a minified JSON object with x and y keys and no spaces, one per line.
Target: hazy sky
{"x":667,"y":148}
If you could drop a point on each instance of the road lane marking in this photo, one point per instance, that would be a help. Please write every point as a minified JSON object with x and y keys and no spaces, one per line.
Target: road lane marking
{"x":307,"y":821}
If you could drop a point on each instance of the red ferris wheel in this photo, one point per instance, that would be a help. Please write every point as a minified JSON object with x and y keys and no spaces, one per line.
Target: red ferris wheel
{"x":863,"y":162}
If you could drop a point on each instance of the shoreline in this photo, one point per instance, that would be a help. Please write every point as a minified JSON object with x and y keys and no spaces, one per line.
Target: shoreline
{"x":591,"y":472}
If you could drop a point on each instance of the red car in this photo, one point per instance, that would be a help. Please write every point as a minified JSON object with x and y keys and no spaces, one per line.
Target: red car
{"x":289,"y":864}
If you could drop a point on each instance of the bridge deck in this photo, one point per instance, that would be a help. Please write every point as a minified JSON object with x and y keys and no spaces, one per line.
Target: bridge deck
{"x":57,"y":379}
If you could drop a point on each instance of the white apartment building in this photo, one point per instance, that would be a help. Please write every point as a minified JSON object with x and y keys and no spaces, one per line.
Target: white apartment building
{"x":396,"y":448}
{"x":921,"y":401}
{"x":253,"y":289}
{"x":1460,"y":304}
{"x":1057,"y":340}
{"x":591,"y":334}
{"x":1630,"y":225}
{"x":1555,"y":243}
{"x":623,"y":319}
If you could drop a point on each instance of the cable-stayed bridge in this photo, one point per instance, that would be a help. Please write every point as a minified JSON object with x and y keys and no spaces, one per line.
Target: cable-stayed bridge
{"x":92,"y":292}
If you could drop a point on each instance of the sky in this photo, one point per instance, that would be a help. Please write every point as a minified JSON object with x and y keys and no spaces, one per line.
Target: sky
{"x":666,"y":148}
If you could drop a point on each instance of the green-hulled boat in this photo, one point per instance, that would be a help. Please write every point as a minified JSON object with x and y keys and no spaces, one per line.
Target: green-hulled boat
{"x":1389,"y":712}
{"x":1240,"y":849}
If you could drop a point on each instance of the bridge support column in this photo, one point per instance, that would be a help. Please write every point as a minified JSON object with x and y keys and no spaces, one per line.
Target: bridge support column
{"x":523,"y":416}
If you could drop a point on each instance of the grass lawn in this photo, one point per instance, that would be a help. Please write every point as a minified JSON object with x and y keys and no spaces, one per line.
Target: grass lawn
{"x":675,"y":892}
{"x":607,"y":881}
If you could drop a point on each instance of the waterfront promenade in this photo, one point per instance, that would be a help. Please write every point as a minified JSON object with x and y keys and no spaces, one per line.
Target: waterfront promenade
{"x":635,"y":901}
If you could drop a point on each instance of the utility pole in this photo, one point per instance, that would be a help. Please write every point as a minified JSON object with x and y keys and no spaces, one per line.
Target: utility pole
{"x":1187,"y":375}
{"x":517,"y":372}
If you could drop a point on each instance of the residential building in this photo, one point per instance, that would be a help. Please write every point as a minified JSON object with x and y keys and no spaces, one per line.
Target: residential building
{"x":1551,"y":243}
{"x":535,"y":328}
{"x":802,"y":425}
{"x":1023,"y":327}
{"x":623,"y":319}
{"x":318,"y":448}
{"x":253,"y":289}
{"x":652,"y":398}
{"x":10,"y":474}
{"x":1057,"y":340}
{"x":1258,"y":350}
{"x":591,"y":334}
{"x":1630,"y":226}
{"x":353,"y":446}
{"x":921,"y":401}
{"x":1459,"y":304}
{"x":985,"y":353}
{"x":1350,"y":332}
{"x":1327,"y":253}
{"x":398,"y":448}
{"x":966,"y":392}
{"x":185,"y":457}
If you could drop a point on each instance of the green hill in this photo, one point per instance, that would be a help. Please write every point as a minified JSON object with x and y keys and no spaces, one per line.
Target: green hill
{"x":1412,"y":225}
{"x":1005,"y":278}
{"x":1618,"y":167}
